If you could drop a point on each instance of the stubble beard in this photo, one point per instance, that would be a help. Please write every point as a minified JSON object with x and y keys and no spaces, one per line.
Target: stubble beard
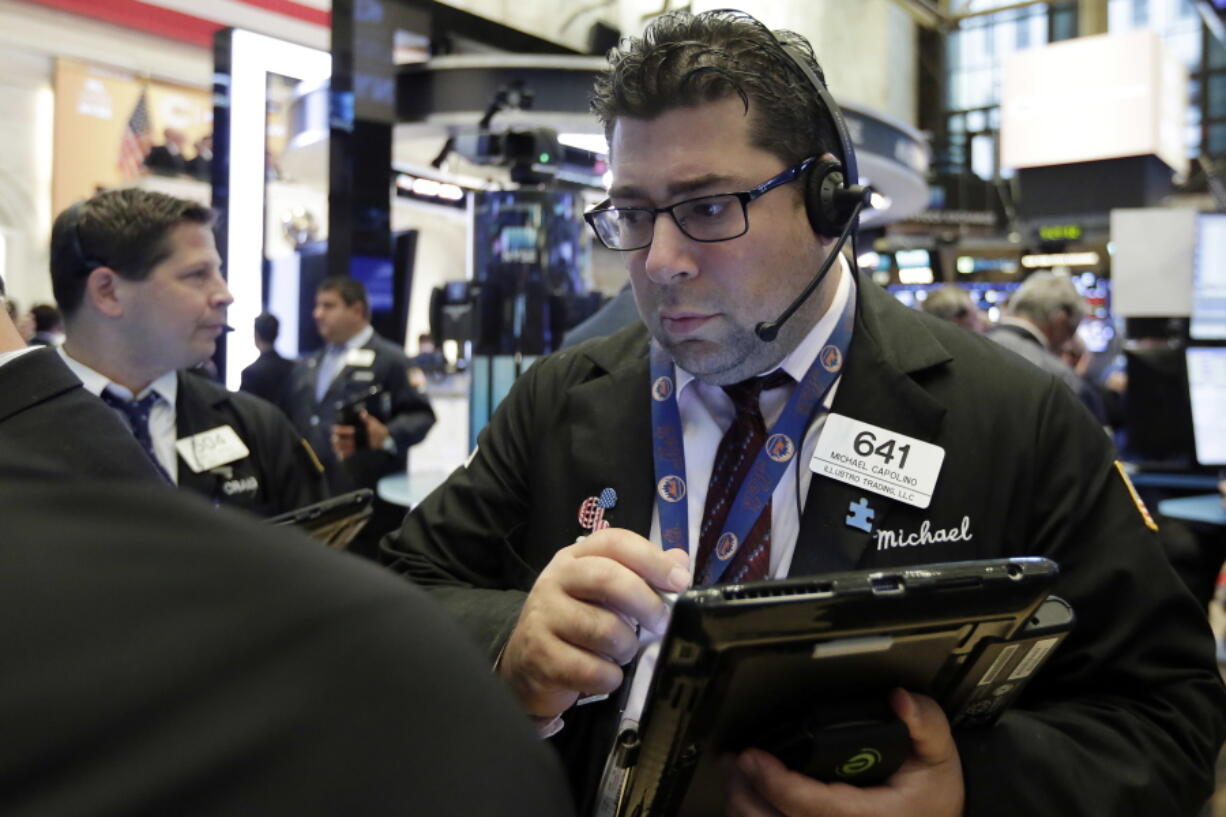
{"x":739,"y":355}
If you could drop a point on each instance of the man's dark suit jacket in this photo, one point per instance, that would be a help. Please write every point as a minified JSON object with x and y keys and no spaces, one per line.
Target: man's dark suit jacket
{"x":403,"y":409}
{"x":1125,"y":719}
{"x":268,"y":377}
{"x":167,"y":657}
{"x":279,"y":475}
{"x":50,"y":424}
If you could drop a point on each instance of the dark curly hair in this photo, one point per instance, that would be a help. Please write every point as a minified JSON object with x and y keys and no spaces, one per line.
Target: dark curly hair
{"x":686,"y":59}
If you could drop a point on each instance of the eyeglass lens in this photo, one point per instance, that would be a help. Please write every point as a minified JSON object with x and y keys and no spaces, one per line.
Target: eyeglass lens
{"x":710,"y":218}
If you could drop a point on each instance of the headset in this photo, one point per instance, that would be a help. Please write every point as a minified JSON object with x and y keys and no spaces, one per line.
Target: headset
{"x":85,"y":263}
{"x":832,"y":193}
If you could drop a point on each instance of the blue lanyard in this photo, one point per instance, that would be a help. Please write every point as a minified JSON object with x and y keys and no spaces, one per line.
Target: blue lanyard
{"x":783,"y":442}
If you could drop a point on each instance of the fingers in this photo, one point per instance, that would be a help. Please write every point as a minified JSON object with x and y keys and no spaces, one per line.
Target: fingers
{"x":742,"y":799}
{"x":662,"y":569}
{"x":579,"y":623}
{"x":931,"y":739}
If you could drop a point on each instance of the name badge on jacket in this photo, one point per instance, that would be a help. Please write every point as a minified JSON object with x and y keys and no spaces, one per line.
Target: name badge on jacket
{"x":210,"y":449}
{"x":878,"y":460}
{"x":360,"y":357}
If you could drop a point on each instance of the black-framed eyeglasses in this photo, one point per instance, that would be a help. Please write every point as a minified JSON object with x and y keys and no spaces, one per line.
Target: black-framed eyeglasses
{"x":721,"y":217}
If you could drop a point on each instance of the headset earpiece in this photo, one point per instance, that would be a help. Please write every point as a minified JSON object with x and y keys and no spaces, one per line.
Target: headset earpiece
{"x":87,"y":263}
{"x":823,"y":182}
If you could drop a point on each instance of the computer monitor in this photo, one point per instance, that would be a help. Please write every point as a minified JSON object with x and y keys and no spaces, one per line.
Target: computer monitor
{"x":1208,"y":321}
{"x":1207,"y":394}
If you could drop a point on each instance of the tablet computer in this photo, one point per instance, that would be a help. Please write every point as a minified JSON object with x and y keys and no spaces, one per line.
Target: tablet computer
{"x":333,"y":521}
{"x":802,"y":667}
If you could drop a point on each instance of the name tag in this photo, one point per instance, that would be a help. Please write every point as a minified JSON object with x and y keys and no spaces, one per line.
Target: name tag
{"x":212,"y":448}
{"x":363,"y":376}
{"x":878,"y":460}
{"x":360,"y":357}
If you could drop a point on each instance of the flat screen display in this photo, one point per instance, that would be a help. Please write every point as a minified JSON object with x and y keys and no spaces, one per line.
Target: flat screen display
{"x":1207,"y":391}
{"x":1209,"y":279}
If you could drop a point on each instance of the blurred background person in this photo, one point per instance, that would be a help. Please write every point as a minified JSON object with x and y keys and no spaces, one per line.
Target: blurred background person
{"x":169,"y":158}
{"x":953,"y":303}
{"x":1040,"y":318}
{"x":48,"y":325}
{"x":268,"y":376}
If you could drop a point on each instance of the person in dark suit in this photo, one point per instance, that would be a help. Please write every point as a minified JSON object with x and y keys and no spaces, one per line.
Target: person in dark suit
{"x":138,"y":277}
{"x":177,"y":659}
{"x":48,"y":325}
{"x":359,"y":367}
{"x":268,"y":376}
{"x":609,"y":473}
{"x":168,"y":158}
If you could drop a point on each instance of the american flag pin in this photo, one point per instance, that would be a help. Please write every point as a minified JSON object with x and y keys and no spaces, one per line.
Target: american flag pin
{"x":591,"y":511}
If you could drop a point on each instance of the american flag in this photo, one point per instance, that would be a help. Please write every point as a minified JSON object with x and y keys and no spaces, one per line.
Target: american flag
{"x":136,"y":140}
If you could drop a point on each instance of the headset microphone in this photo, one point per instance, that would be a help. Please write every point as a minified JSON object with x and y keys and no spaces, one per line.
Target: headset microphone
{"x":767,"y":331}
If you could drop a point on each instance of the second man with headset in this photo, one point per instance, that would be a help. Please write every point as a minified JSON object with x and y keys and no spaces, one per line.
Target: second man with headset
{"x":138,"y":277}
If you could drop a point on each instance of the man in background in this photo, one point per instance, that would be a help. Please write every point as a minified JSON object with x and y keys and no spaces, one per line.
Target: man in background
{"x":1040,"y":318}
{"x":268,"y":376}
{"x":953,"y":303}
{"x":48,"y":325}
{"x":352,"y":399}
{"x":138,"y":277}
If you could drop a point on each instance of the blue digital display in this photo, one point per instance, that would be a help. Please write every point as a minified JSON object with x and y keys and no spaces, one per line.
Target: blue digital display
{"x":377,"y":274}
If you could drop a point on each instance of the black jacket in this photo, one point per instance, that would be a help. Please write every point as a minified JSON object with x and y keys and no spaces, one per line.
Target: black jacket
{"x":1127,"y":717}
{"x":50,"y":424}
{"x":268,"y":377}
{"x":178,"y":659}
{"x":280,"y":474}
{"x":405,"y":411}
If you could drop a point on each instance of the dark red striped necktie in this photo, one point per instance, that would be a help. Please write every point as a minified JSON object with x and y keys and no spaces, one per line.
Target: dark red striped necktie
{"x":737,"y":451}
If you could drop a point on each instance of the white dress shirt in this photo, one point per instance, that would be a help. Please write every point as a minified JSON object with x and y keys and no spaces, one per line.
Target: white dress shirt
{"x":161,"y":417}
{"x":5,"y":357}
{"x":334,"y":360}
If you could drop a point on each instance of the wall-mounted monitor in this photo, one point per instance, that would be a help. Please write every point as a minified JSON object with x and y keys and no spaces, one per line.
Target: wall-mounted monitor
{"x":1207,"y":394}
{"x":1209,"y":279}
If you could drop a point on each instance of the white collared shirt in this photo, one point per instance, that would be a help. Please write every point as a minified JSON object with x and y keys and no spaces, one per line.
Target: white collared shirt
{"x":327,"y":373}
{"x":360,"y":339}
{"x":5,"y":357}
{"x":161,"y":417}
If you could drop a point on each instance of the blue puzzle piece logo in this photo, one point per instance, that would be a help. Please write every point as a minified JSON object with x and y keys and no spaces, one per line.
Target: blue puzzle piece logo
{"x":860,"y":515}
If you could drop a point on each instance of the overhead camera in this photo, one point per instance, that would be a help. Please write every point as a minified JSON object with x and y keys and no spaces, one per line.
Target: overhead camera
{"x":532,"y":156}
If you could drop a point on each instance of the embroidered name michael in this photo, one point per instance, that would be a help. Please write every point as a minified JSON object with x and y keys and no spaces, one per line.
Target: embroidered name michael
{"x":924,"y":536}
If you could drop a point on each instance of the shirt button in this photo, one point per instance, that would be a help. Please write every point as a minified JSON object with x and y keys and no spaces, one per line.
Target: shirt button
{"x":314,"y":419}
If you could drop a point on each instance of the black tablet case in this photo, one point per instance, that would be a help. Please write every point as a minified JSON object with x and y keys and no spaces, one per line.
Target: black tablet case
{"x":333,"y":521}
{"x":738,"y":659}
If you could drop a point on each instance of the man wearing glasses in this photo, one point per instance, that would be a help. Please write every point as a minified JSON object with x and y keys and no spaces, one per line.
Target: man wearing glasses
{"x":617,"y":471}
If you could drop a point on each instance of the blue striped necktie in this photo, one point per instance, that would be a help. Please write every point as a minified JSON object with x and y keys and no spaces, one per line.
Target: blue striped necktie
{"x":137,"y":414}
